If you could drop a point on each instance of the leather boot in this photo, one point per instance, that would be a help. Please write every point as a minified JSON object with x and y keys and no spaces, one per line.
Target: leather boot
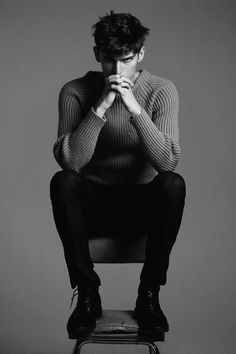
{"x":83,"y":319}
{"x":148,"y":312}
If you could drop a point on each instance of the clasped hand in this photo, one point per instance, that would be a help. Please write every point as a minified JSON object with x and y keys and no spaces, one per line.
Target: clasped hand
{"x":117,"y":84}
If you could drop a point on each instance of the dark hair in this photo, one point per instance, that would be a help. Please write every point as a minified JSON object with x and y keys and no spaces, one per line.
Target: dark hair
{"x":119,"y":34}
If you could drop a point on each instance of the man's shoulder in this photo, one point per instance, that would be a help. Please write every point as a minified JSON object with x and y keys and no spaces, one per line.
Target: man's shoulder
{"x":83,"y":83}
{"x":158,"y":83}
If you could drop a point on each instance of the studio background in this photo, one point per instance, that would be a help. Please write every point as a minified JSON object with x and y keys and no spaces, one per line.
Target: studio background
{"x":47,"y":43}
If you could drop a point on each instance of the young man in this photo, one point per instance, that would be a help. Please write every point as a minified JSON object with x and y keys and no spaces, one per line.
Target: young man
{"x":118,"y":147}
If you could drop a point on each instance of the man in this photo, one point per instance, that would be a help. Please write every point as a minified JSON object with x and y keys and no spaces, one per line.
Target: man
{"x":118,"y":147}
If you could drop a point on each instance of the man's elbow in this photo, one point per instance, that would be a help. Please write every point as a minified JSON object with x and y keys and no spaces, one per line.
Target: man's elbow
{"x":169,"y":161}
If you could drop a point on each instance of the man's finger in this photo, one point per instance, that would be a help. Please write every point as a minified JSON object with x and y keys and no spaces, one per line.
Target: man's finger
{"x":125,"y":79}
{"x":114,"y":80}
{"x":126,"y":85}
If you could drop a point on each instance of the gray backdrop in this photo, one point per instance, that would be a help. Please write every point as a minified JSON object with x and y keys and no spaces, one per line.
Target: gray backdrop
{"x":43,"y":45}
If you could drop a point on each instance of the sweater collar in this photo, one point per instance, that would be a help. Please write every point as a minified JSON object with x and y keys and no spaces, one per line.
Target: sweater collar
{"x":142,"y":79}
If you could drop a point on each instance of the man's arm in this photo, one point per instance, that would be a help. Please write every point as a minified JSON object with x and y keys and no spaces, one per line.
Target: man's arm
{"x":159,"y":136}
{"x":77,"y":134}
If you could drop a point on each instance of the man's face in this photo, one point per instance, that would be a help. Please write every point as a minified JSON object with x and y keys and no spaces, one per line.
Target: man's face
{"x":126,"y":65}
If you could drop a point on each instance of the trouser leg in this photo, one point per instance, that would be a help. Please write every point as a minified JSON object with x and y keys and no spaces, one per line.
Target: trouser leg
{"x":72,"y":210}
{"x":164,"y":200}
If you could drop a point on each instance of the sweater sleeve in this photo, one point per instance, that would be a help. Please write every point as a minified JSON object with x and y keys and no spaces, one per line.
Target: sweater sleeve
{"x":77,"y":132}
{"x":159,"y":136}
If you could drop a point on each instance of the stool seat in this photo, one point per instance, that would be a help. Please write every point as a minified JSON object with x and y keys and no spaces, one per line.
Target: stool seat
{"x":116,"y":322}
{"x":119,"y":327}
{"x":120,"y":322}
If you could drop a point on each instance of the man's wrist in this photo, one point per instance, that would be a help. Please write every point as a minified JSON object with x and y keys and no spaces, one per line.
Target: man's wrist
{"x":136,"y":111}
{"x":99,"y":110}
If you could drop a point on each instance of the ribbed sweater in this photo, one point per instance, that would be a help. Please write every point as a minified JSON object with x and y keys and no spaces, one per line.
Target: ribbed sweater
{"x":118,"y":148}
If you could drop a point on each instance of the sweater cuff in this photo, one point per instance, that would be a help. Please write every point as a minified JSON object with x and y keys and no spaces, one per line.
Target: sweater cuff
{"x":142,"y":114}
{"x":94,"y":113}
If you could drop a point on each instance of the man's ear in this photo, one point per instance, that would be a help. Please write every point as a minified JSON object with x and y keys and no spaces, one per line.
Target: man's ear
{"x":141,"y":54}
{"x":96,"y":53}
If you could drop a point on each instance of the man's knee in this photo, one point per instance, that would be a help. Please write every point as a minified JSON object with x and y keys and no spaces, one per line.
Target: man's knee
{"x":172,"y":183}
{"x":172,"y":179}
{"x":63,"y":182}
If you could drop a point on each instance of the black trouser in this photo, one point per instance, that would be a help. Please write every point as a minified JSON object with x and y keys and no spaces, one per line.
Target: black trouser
{"x":82,"y":208}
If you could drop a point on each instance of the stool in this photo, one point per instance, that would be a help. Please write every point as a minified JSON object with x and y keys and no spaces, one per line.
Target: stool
{"x":118,"y":326}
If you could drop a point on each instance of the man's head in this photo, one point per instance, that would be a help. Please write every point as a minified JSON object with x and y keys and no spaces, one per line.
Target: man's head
{"x":119,"y":40}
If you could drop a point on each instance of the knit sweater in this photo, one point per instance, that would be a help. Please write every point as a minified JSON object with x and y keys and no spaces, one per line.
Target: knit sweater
{"x":118,"y":148}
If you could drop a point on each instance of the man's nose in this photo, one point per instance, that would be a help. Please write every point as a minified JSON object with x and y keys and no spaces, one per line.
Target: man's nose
{"x":117,"y":67}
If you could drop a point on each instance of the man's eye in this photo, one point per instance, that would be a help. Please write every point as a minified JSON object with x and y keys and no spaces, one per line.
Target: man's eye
{"x":127,"y":60}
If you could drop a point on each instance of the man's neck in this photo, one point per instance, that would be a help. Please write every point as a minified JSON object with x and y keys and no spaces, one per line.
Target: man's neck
{"x":136,"y":75}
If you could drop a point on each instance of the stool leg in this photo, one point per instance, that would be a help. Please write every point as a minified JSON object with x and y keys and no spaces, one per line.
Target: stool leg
{"x":153,"y":348}
{"x":78,"y":345}
{"x":75,"y":348}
